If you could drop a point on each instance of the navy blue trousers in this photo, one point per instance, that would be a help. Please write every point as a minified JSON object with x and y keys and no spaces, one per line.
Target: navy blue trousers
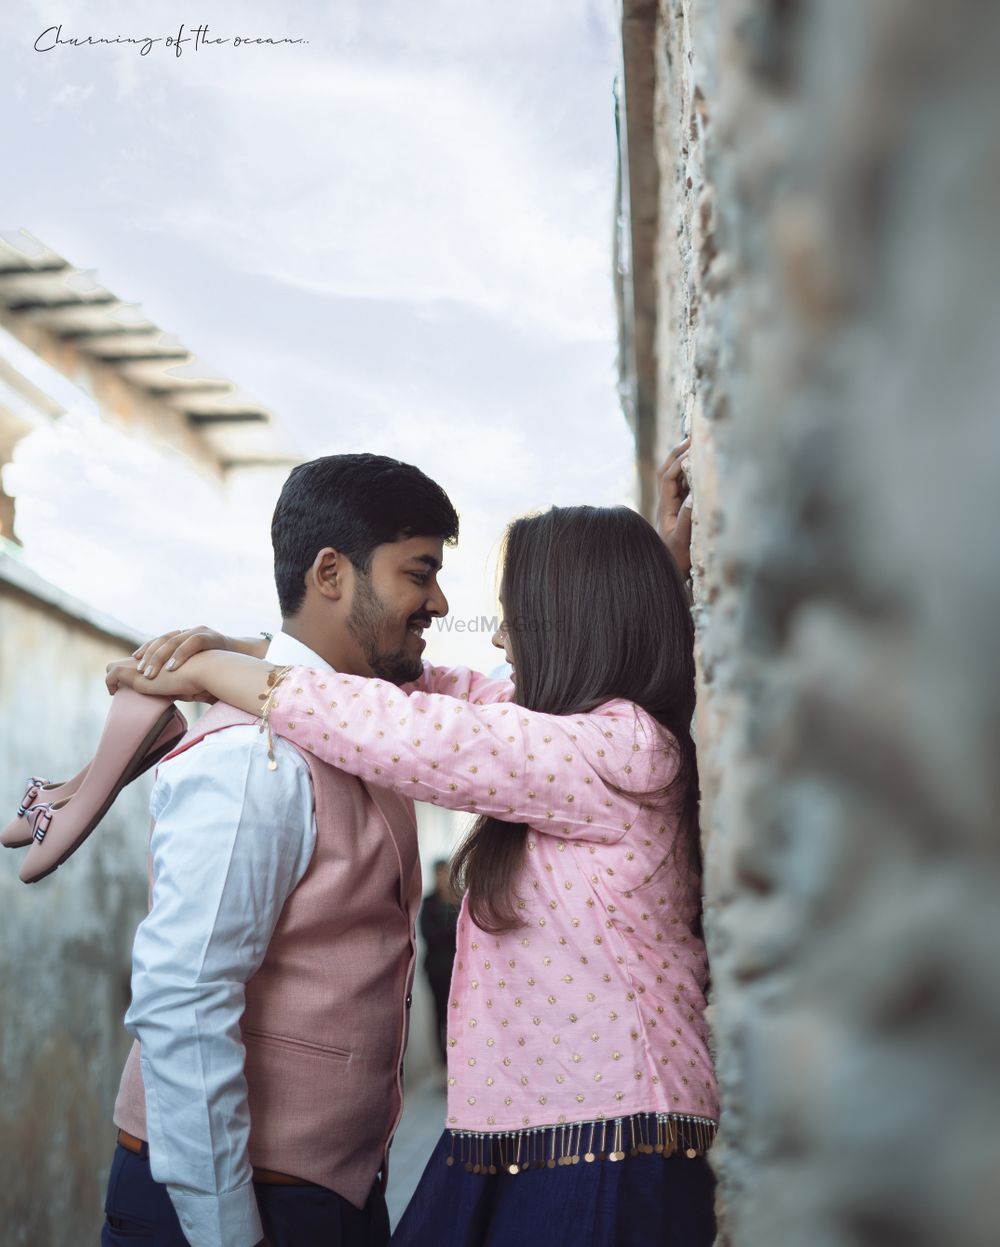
{"x":642,"y":1201}
{"x":138,"y":1211}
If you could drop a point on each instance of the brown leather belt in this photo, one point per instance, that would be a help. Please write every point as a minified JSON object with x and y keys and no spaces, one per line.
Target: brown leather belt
{"x":267,"y":1177}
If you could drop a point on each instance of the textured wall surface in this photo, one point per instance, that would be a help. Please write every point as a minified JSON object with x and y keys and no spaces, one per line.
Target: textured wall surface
{"x":65,"y":942}
{"x":829,"y":330}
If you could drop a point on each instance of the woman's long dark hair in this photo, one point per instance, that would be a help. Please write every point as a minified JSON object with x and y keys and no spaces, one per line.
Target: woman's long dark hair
{"x":595,"y":609}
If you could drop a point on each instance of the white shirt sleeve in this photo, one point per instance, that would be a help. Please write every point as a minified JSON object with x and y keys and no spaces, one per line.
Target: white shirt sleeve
{"x":231,"y":841}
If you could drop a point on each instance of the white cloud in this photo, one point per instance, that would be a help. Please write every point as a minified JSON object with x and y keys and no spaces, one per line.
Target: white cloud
{"x":409,"y":152}
{"x":125,"y":526}
{"x":398,"y":237}
{"x":405,"y":184}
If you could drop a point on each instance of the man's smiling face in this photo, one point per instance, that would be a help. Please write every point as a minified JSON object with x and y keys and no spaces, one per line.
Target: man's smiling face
{"x":394,"y":603}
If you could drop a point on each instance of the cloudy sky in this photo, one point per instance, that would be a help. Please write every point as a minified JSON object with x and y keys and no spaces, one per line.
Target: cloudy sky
{"x":397,"y":236}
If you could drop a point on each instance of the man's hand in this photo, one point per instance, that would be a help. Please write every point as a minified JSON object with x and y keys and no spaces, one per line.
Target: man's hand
{"x":673,"y":515}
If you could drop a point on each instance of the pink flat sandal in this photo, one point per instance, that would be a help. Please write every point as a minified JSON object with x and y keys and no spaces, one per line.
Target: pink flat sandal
{"x":138,"y":732}
{"x":18,"y":832}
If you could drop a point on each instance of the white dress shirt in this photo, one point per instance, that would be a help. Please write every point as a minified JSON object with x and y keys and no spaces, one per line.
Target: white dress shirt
{"x":231,"y":841}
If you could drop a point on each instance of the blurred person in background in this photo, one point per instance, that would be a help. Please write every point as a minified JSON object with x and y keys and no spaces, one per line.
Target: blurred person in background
{"x":438,"y":919}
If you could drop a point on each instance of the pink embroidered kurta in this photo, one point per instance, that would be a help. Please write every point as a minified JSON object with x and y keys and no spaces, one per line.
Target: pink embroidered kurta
{"x":595,"y":1007}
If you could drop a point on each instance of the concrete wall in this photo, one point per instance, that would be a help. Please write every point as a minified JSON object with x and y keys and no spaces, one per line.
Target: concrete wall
{"x":827,"y":324}
{"x":65,"y":943}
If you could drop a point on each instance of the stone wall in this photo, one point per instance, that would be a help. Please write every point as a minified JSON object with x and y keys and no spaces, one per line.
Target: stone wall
{"x":828,"y":329}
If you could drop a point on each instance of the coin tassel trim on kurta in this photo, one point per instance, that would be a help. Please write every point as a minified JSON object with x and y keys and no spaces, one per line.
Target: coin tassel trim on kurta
{"x":545,"y":1147}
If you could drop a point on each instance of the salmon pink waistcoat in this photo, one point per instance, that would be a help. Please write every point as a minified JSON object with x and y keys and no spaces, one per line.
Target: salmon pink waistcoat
{"x":326,"y":1014}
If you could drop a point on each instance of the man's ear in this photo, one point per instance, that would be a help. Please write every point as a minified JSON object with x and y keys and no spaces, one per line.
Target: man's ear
{"x":329,"y":574}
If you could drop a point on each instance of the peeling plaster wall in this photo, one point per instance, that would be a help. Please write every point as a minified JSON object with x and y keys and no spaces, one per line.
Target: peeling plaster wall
{"x":65,"y":942}
{"x":828,"y":329}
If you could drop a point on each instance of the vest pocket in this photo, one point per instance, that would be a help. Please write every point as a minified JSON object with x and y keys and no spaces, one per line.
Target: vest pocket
{"x":300,"y":1046}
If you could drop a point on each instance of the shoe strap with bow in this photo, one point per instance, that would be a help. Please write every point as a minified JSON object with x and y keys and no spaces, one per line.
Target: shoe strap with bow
{"x":41,"y":818}
{"x":32,"y":792}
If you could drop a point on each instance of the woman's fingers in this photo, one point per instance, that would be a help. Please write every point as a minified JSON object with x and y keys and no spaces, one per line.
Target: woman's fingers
{"x":193,"y":644}
{"x":174,"y":684}
{"x":673,"y":513}
{"x":673,"y":491}
{"x":674,"y":482}
{"x":121,"y":673}
{"x":142,"y":653}
{"x":174,"y":649}
{"x":678,"y":452}
{"x":673,"y":470}
{"x":125,"y":674}
{"x":161,"y":652}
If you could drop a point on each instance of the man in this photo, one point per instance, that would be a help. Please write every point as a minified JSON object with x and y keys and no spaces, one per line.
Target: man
{"x":271,"y":977}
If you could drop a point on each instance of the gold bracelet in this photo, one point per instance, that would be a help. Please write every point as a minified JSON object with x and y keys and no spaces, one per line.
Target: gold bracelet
{"x":274,"y":678}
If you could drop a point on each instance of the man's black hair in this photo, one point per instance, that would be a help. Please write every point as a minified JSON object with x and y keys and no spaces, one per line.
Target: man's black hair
{"x":352,"y":503}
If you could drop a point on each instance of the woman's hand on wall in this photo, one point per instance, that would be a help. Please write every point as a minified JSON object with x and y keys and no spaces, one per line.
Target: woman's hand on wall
{"x":673,"y":513}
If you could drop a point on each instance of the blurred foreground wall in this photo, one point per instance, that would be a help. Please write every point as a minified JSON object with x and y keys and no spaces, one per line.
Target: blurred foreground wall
{"x":65,"y":942}
{"x":809,"y":280}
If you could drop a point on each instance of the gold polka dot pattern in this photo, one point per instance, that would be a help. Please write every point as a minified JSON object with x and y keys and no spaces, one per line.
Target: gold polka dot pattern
{"x":600,"y":994}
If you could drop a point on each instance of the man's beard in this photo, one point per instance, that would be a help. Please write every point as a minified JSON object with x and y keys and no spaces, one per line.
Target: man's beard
{"x":366,"y":622}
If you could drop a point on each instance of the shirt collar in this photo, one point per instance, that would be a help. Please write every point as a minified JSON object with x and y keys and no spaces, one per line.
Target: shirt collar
{"x":286,"y":651}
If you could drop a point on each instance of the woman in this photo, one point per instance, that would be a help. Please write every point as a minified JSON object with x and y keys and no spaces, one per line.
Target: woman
{"x":581,"y":1094}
